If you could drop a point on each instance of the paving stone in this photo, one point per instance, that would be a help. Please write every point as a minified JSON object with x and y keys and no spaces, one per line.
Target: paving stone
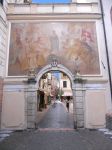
{"x":79,"y":105}
{"x":57,"y":140}
{"x":79,"y":111}
{"x":57,"y":117}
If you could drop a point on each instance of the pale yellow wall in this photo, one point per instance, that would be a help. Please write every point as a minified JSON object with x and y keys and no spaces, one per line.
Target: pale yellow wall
{"x":66,"y":90}
{"x":95,"y":108}
{"x":108,"y":25}
{"x":13,"y":110}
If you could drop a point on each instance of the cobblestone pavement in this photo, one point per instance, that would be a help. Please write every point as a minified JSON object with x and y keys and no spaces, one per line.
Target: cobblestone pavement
{"x":57,"y":117}
{"x":56,"y":133}
{"x":4,"y":134}
{"x":57,"y":140}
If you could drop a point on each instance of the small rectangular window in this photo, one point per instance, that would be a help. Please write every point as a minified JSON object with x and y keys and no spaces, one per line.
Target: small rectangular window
{"x":64,"y":84}
{"x":1,"y":2}
{"x":64,"y":75}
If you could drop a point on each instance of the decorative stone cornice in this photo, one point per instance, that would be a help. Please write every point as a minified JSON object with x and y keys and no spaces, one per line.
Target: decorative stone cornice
{"x":53,"y":16}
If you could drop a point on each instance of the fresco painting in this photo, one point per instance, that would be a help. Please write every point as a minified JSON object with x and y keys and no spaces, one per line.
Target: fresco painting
{"x":73,"y":44}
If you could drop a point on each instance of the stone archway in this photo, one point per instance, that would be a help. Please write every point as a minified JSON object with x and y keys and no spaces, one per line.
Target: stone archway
{"x":61,"y":68}
{"x":77,"y":111}
{"x":58,"y":67}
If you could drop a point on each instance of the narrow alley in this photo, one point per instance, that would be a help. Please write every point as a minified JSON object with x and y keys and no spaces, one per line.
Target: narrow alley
{"x":57,"y":117}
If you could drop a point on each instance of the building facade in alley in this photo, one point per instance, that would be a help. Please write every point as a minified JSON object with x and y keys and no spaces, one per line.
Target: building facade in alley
{"x":73,"y":38}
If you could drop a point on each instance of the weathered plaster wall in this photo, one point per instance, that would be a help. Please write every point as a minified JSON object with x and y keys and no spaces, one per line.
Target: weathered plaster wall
{"x":1,"y":96}
{"x":97,"y":89}
{"x":3,"y":45}
{"x":14,"y":106}
{"x":107,"y":5}
{"x":95,"y":108}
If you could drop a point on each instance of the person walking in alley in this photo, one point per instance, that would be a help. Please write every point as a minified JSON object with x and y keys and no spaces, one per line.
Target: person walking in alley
{"x":67,"y":102}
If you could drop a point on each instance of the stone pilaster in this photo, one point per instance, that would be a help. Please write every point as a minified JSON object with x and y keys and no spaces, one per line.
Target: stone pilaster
{"x":31,"y":106}
{"x":74,"y":108}
{"x":1,"y":96}
{"x":79,"y":92}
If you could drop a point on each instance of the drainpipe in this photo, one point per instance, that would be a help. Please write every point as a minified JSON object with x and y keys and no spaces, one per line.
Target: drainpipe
{"x":106,"y":45}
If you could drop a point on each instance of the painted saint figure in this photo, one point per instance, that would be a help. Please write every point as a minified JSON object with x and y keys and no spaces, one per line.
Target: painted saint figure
{"x":32,"y":60}
{"x":54,"y":42}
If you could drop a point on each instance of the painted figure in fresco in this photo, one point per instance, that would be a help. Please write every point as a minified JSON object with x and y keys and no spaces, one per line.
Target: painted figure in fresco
{"x":111,"y":14}
{"x":86,"y":36}
{"x":32,"y":60}
{"x":35,"y":59}
{"x":15,"y":58}
{"x":54,"y":42}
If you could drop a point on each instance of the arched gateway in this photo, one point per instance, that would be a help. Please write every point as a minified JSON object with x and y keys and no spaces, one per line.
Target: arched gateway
{"x":57,"y":67}
{"x":48,"y":68}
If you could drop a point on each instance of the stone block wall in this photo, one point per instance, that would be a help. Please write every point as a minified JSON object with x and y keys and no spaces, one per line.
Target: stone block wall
{"x":79,"y":95}
{"x":80,"y":107}
{"x":1,"y":96}
{"x":31,"y":106}
{"x":3,"y":37}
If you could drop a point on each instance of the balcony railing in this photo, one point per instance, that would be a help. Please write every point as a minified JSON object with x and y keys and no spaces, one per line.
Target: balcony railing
{"x":30,"y":8}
